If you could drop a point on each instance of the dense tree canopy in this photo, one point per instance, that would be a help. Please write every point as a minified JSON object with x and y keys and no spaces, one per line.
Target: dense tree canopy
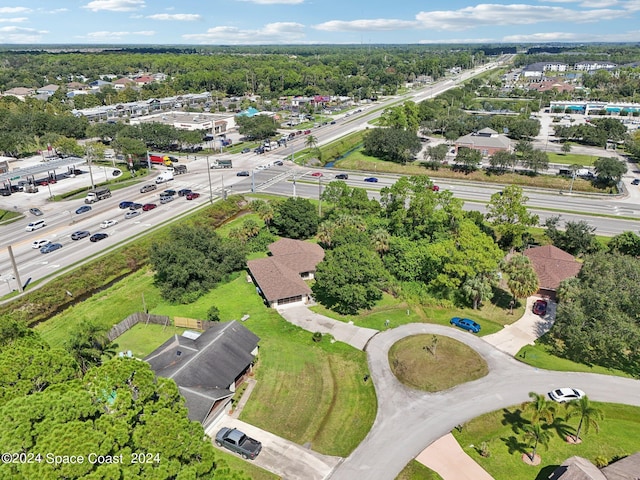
{"x":598,"y":322}
{"x":295,"y":218}
{"x":508,"y":212}
{"x":393,"y":144}
{"x":193,"y":262}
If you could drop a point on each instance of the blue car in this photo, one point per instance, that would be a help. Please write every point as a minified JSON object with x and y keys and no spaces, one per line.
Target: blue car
{"x":50,"y":248}
{"x":83,"y":209}
{"x":371,"y":179}
{"x":466,"y":324}
{"x":124,"y":205}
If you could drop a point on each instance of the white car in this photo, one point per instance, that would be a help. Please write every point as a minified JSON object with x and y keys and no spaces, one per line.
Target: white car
{"x":108,"y":223}
{"x":562,"y":395}
{"x":40,"y":243}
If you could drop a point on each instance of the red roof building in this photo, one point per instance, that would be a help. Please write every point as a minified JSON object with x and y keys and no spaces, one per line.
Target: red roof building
{"x":552,"y":265}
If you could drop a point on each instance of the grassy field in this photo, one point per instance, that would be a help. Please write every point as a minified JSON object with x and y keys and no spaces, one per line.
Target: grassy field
{"x":540,"y":356}
{"x":226,"y":461}
{"x":420,"y":361}
{"x":501,"y":430}
{"x":572,"y":159}
{"x":8,"y":216}
{"x":416,"y":471}
{"x":306,"y":391}
{"x":142,"y":339}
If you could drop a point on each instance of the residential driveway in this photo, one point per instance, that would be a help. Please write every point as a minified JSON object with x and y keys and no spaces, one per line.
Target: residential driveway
{"x":301,"y":316}
{"x":525,"y":331}
{"x":280,"y":456}
{"x":445,"y":457}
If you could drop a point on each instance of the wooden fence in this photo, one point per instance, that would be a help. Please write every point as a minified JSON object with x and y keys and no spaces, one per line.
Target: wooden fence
{"x":134,"y":318}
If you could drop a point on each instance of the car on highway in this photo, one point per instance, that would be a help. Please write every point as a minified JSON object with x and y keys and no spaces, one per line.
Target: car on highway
{"x":566,"y":394}
{"x":192,"y":195}
{"x":51,"y":247}
{"x":636,"y":181}
{"x":96,"y":237}
{"x":125,"y":204}
{"x":316,"y":174}
{"x":108,"y":223}
{"x":279,"y":163}
{"x":184,"y":192}
{"x":148,"y":206}
{"x":243,"y":173}
{"x":332,"y":122}
{"x":80,"y":234}
{"x":166,"y":199}
{"x":435,"y":188}
{"x":342,"y":176}
{"x":170,"y":193}
{"x":246,"y":150}
{"x":135,"y":206}
{"x":540,"y":307}
{"x":261,"y":167}
{"x":132,"y":214}
{"x":83,"y":209}
{"x":371,"y":179}
{"x":40,"y":243}
{"x":465,"y":324}
{"x":35,"y":211}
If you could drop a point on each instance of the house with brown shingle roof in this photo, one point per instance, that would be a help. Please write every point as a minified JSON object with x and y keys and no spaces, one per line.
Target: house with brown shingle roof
{"x":280,"y":278}
{"x":487,"y":141}
{"x":552,"y":265}
{"x":19,"y":92}
{"x":578,"y":468}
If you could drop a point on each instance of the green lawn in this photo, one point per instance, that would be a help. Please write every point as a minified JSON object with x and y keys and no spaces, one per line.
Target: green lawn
{"x":416,"y":471}
{"x":540,"y":356}
{"x":9,"y":216}
{"x":501,"y":430}
{"x":571,"y":159}
{"x":421,"y":361}
{"x":142,"y":339}
{"x":227,"y":462}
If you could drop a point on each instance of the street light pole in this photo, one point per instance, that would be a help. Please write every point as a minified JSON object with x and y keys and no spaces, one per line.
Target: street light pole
{"x":319,"y":196}
{"x":210,"y":186}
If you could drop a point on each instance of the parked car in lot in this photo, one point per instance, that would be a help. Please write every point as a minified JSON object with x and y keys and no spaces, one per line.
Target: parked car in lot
{"x":466,"y":324}
{"x":108,"y":223}
{"x":35,"y":211}
{"x":184,"y":192}
{"x":540,"y":307}
{"x":342,"y":176}
{"x":80,"y":234}
{"x":562,"y":395}
{"x":83,"y":209}
{"x":236,"y":441}
{"x":243,"y":173}
{"x":125,"y":204}
{"x":148,"y":206}
{"x":96,"y":237}
{"x":51,"y":247}
{"x":40,"y":243}
{"x":371,"y":179}
{"x":192,"y":195}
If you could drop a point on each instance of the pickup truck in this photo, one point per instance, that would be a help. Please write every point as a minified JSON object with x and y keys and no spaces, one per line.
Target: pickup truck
{"x":236,"y":441}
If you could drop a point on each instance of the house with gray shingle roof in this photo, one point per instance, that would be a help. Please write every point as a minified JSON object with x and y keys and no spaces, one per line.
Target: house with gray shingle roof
{"x":487,"y":141}
{"x":579,"y":468}
{"x":207,"y":369}
{"x":280,"y":278}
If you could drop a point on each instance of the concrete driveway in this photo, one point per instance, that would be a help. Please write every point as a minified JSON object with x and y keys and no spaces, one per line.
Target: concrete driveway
{"x":280,"y":456}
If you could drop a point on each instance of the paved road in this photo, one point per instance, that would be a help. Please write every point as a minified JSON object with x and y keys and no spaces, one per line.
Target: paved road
{"x":409,"y":420}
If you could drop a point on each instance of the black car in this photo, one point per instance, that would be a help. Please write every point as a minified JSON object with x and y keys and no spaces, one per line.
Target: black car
{"x":279,"y":163}
{"x":135,"y":206}
{"x":636,"y":181}
{"x":184,"y":192}
{"x":342,"y":176}
{"x":246,"y":150}
{"x":96,"y":237}
{"x":243,"y":173}
{"x":169,"y":193}
{"x":80,"y":234}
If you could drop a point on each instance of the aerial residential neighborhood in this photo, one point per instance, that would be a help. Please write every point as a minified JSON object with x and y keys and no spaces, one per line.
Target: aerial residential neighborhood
{"x":320,"y":261}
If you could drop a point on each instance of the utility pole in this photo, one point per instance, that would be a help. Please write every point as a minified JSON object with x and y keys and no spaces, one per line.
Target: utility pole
{"x":319,"y":196}
{"x":210,"y":187}
{"x":16,"y":275}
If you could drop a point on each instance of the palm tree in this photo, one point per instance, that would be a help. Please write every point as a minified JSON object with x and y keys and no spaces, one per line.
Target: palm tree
{"x":541,"y":409}
{"x":538,"y":435}
{"x":88,"y":344}
{"x":311,"y":142}
{"x":325,"y":232}
{"x":589,"y":415}
{"x":380,"y":239}
{"x":523,"y":280}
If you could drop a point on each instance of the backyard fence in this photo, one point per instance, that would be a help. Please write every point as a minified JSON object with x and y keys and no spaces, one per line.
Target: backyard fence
{"x":134,"y":318}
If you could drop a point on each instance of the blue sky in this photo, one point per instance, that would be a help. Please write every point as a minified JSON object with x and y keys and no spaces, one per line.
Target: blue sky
{"x":240,"y":22}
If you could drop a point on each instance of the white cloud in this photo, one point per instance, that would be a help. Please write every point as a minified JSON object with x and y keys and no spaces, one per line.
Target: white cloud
{"x":12,"y":34}
{"x":366,"y":25}
{"x":514,"y":14}
{"x":10,"y":10}
{"x":459,"y":40}
{"x":180,"y":17}
{"x":106,"y":35}
{"x":274,"y":2}
{"x":632,"y":5}
{"x":115,"y":5}
{"x":13,"y":20}
{"x":279,"y":32}
{"x":574,"y":37}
